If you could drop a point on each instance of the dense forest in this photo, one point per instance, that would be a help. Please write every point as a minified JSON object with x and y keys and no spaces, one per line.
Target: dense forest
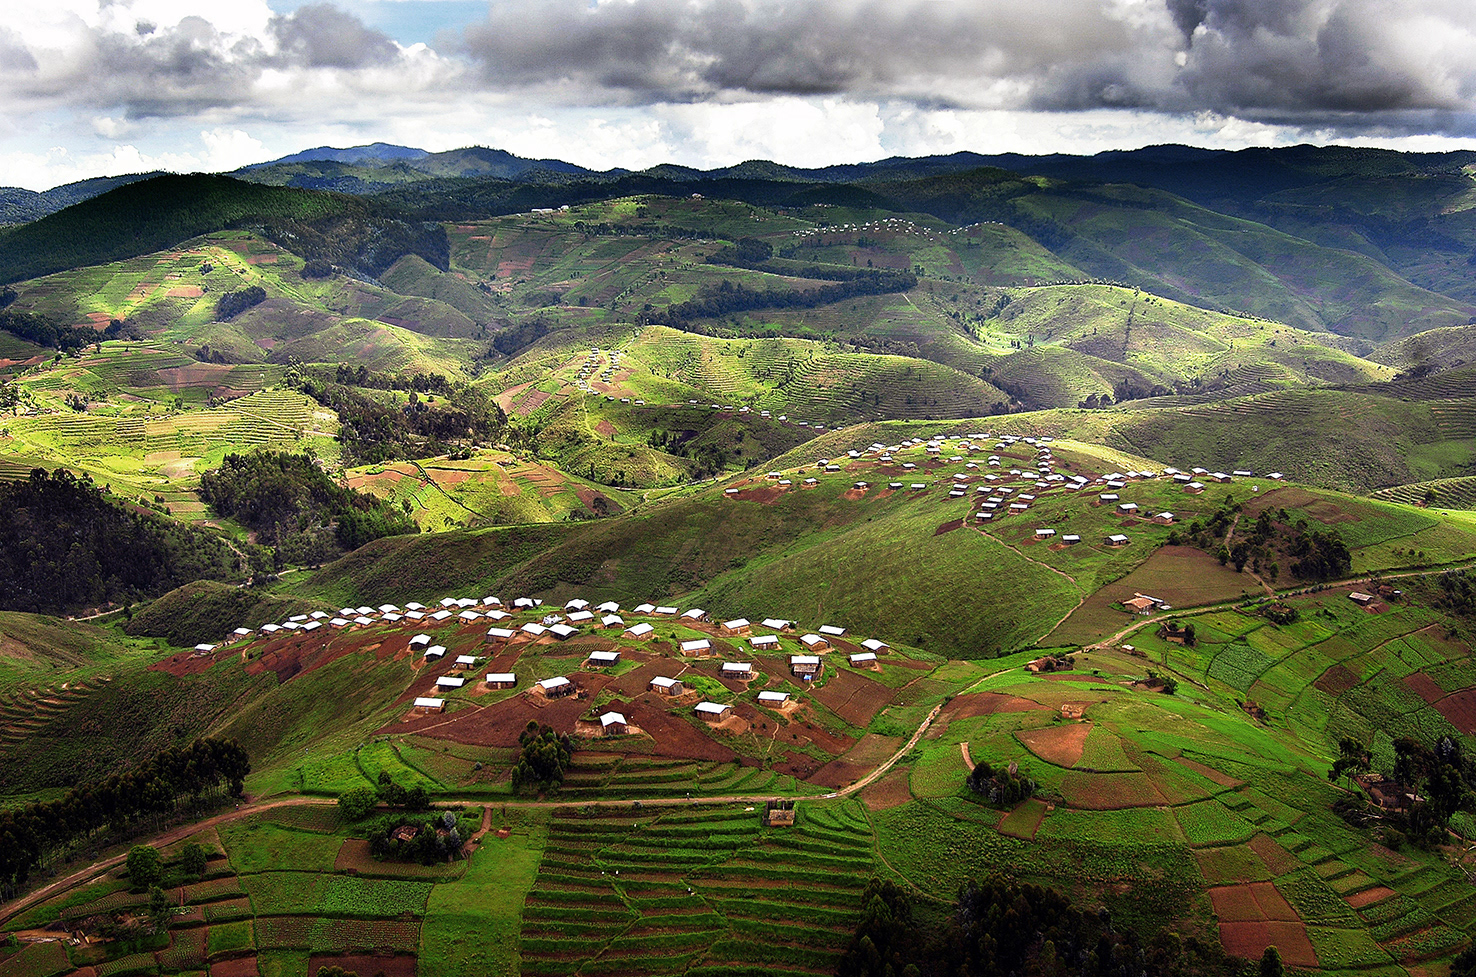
{"x":65,"y":546}
{"x":291,"y":504}
{"x":999,"y":928}
{"x":374,"y":430}
{"x":728,"y":299}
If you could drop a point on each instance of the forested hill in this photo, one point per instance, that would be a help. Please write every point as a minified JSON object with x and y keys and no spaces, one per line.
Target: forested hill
{"x":65,"y":546}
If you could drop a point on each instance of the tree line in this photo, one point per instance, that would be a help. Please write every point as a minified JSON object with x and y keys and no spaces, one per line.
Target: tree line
{"x":66,"y":545}
{"x":728,"y":299}
{"x":31,"y":836}
{"x":1000,"y":927}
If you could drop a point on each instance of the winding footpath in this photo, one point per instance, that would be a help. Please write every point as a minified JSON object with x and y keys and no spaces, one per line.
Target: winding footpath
{"x":82,"y":876}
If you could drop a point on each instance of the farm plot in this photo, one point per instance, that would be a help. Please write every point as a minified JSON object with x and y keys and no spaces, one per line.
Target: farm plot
{"x":695,"y":890}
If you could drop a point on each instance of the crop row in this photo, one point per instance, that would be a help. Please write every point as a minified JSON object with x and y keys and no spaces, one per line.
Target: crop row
{"x":328,"y":935}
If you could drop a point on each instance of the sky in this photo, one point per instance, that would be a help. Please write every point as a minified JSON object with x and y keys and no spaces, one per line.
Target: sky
{"x":102,"y":87}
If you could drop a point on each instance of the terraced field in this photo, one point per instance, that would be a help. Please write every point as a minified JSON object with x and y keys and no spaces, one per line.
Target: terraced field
{"x":701,"y":891}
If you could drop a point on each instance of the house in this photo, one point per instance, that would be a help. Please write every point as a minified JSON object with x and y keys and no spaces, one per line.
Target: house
{"x":612,"y":621}
{"x":1193,"y":488}
{"x":415,"y":615}
{"x":502,"y":680}
{"x":1163,"y":519}
{"x":469,"y":616}
{"x":1361,"y":599}
{"x":698,"y":646}
{"x":204,"y":649}
{"x":832,"y":631}
{"x":527,"y":603}
{"x":1073,"y":710}
{"x":1044,"y":533}
{"x":1141,"y":604}
{"x":319,"y":615}
{"x":534,"y":630}
{"x":413,"y":606}
{"x":556,"y":687}
{"x":738,"y":625}
{"x":773,"y":699}
{"x":577,"y":605}
{"x":777,"y":624}
{"x":644,"y":609}
{"x":498,"y":636}
{"x":603,"y":659}
{"x":665,"y":611}
{"x":810,"y":483}
{"x":246,"y":632}
{"x":338,"y":623}
{"x":1220,"y":477}
{"x":291,"y":626}
{"x":804,"y":666}
{"x":609,"y":607}
{"x":270,"y":628}
{"x":765,"y":642}
{"x":863,"y":659}
{"x":562,"y":632}
{"x":427,"y":703}
{"x":1107,"y":498}
{"x":450,"y":682}
{"x":640,"y":632}
{"x":695,"y":614}
{"x":299,"y":618}
{"x":383,"y":609}
{"x":435,"y":652}
{"x":814,"y":642}
{"x":1117,"y":539}
{"x":388,"y":619}
{"x":712,"y":712}
{"x":730,"y":491}
{"x":581,"y":617}
{"x":450,"y":602}
{"x":487,"y":602}
{"x":666,"y":686}
{"x":465,"y":660}
{"x":738,"y":670}
{"x":613,"y":724}
{"x":1127,"y":508}
{"x":1071,"y":539}
{"x":879,"y":647}
{"x":441,"y":615}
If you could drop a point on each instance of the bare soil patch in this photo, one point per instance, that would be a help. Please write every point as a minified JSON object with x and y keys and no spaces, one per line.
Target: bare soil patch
{"x":888,"y":792}
{"x":948,"y":527}
{"x":1460,"y":709}
{"x":1061,"y":745}
{"x":970,"y":705}
{"x":1368,"y":897}
{"x":1209,"y":773}
{"x":399,"y":965}
{"x":762,"y":494}
{"x":606,"y":429}
{"x":1249,"y":940}
{"x":854,"y":698}
{"x":1110,"y":791}
{"x":1424,"y":686}
{"x":1336,"y":680}
{"x":239,"y":967}
{"x":186,"y":292}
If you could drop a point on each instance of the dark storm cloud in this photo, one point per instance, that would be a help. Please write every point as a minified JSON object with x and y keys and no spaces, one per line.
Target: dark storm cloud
{"x":190,"y":66}
{"x":320,"y":35}
{"x":1307,"y":60}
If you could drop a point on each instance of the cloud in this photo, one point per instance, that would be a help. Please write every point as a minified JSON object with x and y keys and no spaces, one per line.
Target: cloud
{"x":1315,"y":59}
{"x":320,"y":35}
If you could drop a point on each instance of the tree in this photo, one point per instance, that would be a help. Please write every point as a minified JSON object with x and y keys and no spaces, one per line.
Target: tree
{"x":1352,"y":757}
{"x":192,"y":860}
{"x":145,"y":868}
{"x":1271,"y":963}
{"x":545,"y":757}
{"x":160,"y":910}
{"x":358,"y":802}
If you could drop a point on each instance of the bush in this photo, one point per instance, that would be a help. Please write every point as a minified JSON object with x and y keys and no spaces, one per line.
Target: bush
{"x":357,"y":803}
{"x":192,"y":860}
{"x":145,"y":867}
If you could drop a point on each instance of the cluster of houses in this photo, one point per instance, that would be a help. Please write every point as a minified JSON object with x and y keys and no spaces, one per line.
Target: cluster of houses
{"x":988,"y":482}
{"x":575,"y":616}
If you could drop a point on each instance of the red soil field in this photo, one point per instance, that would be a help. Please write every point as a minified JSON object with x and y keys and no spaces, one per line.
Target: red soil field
{"x":973,"y":704}
{"x":606,"y":429}
{"x":187,"y":292}
{"x":1424,"y":686}
{"x":1460,"y":709}
{"x":399,"y":965}
{"x":853,"y":698}
{"x":1368,"y":896}
{"x":1336,"y":680}
{"x":948,"y":527}
{"x":239,"y":967}
{"x":762,"y":494}
{"x":889,"y":792}
{"x":1277,"y":859}
{"x":853,"y":494}
{"x":1249,"y":940}
{"x":1061,"y":745}
{"x":1110,"y":791}
{"x":1209,"y":773}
